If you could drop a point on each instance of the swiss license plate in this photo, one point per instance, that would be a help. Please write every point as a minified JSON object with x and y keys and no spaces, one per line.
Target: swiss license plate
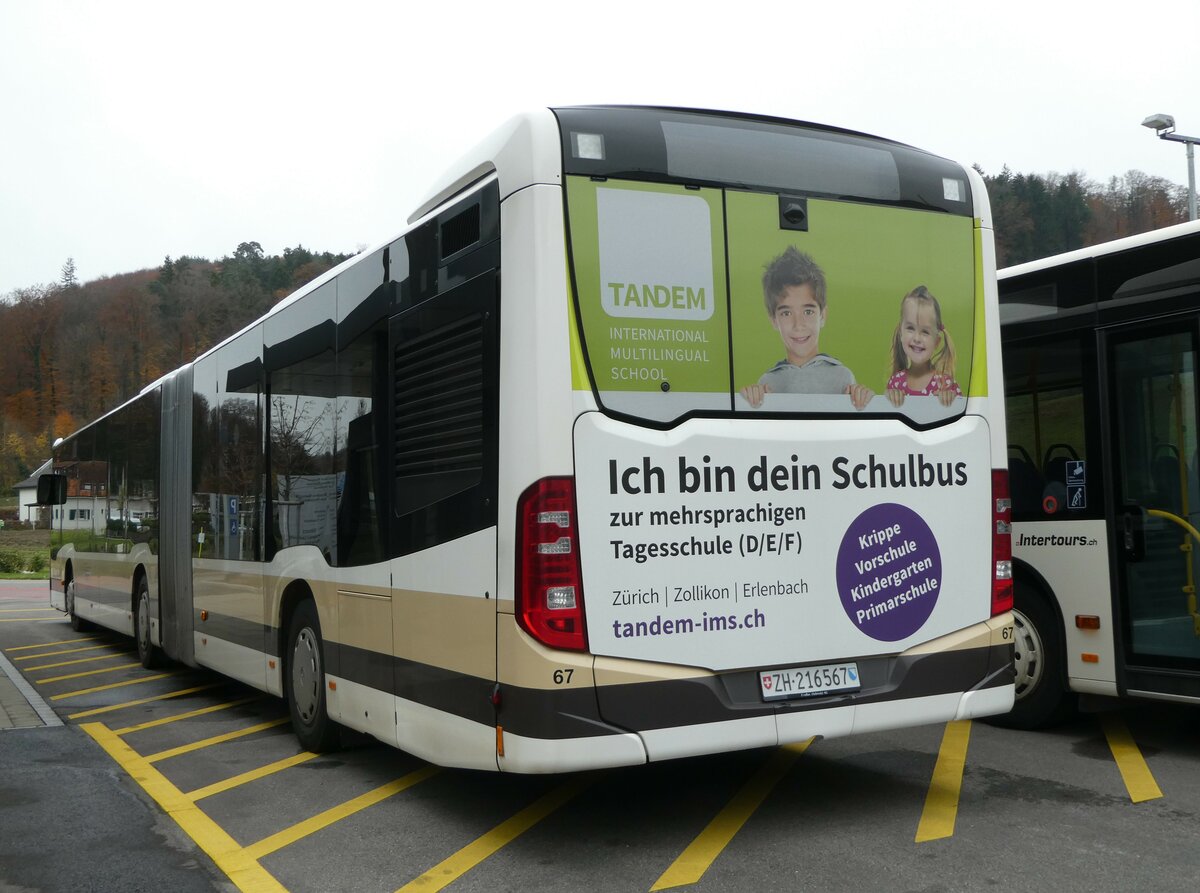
{"x":807,"y":682}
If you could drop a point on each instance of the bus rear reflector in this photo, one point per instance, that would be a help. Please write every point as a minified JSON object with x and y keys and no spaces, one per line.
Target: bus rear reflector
{"x":549,"y":590}
{"x":1002,"y":583}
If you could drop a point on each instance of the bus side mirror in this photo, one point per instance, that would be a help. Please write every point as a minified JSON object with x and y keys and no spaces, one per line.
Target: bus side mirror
{"x":52,"y":489}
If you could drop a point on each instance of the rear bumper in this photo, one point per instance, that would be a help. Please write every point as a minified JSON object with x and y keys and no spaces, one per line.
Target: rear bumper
{"x":965,"y":675}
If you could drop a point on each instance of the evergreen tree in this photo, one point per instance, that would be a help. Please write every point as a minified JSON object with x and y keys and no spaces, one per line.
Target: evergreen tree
{"x":68,"y":279}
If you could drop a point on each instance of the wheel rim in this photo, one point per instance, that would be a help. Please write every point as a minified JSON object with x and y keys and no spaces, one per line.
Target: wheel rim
{"x":144,"y":622}
{"x":1027,"y":655}
{"x":306,"y":675}
{"x":70,"y":598}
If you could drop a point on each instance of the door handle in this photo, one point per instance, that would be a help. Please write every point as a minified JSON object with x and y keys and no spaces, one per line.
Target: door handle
{"x":1133,"y":533}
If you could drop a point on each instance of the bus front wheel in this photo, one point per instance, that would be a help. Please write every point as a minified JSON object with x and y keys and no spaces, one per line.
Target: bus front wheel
{"x":77,"y":623}
{"x":304,"y":682}
{"x":148,"y":653}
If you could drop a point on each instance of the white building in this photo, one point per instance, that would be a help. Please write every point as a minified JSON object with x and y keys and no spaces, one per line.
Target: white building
{"x":27,"y":496}
{"x":89,"y":509}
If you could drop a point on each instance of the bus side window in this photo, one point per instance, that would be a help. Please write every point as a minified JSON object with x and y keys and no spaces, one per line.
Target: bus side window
{"x":1054,"y":467}
{"x":1044,"y":402}
{"x":361,"y":413}
{"x":1025,"y":481}
{"x":1164,"y":470}
{"x":358,"y":520}
{"x":300,"y":412}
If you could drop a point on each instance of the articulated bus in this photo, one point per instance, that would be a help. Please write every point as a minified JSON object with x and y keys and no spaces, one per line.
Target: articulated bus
{"x":1100,"y":366}
{"x":595,"y":463}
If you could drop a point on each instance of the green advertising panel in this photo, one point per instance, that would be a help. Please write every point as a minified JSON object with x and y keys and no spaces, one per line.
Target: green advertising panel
{"x":698,"y":299}
{"x":650,"y":271}
{"x":880,"y":296}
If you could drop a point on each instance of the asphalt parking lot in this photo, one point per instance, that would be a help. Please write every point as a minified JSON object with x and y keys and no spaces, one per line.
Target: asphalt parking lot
{"x":179,"y":779}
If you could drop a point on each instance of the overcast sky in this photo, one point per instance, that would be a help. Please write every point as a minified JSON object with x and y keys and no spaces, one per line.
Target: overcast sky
{"x":130,"y":131}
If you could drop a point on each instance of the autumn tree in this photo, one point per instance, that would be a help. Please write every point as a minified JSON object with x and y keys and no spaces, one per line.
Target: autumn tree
{"x":64,"y":424}
{"x":31,"y":324}
{"x":1136,"y":203}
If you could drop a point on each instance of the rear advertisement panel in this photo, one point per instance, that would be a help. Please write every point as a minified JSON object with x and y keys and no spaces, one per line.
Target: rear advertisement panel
{"x":840,"y":526}
{"x":727,"y":544}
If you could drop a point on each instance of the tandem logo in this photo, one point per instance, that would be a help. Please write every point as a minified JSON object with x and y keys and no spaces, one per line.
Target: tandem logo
{"x":676,"y":297}
{"x":672,"y":282}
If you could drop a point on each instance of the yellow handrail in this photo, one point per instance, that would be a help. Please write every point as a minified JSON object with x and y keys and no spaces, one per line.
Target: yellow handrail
{"x":1190,"y":588}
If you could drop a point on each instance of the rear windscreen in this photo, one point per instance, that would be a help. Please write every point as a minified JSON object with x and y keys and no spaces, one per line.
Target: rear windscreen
{"x":738,"y":265}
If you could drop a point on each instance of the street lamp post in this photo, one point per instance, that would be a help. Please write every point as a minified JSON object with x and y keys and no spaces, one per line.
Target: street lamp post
{"x":1164,"y":126}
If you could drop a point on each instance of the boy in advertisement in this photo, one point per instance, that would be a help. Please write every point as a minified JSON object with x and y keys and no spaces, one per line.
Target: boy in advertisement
{"x":795,"y":295}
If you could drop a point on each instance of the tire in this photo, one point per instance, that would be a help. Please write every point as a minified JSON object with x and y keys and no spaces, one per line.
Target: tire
{"x":304,"y":682}
{"x":1038,"y":664}
{"x":77,"y":623}
{"x":149,"y":654}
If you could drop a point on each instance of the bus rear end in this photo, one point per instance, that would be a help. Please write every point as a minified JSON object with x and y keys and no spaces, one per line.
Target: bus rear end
{"x":785,"y":514}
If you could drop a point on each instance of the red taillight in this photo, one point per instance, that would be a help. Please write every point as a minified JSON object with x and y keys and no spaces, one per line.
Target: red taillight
{"x":1002,"y":584}
{"x":549,"y":584}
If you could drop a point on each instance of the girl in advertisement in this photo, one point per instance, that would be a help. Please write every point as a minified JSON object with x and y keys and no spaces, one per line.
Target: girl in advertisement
{"x":922,"y":352}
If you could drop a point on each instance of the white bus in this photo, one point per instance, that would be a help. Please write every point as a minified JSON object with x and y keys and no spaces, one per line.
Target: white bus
{"x":596,"y":462}
{"x":1100,"y":351}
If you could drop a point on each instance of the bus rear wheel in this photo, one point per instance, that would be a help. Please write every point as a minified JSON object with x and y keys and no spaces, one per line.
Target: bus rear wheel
{"x":304,"y":682}
{"x":1038,"y":664}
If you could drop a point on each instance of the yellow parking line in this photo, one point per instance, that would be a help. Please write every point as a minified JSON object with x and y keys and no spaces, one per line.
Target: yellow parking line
{"x":191,"y":714}
{"x":27,"y":610}
{"x":241,"y":868}
{"x":229,"y":784}
{"x":1132,"y":765}
{"x":111,"y":685}
{"x":288,"y":836}
{"x":88,"y":673}
{"x":171,"y":694}
{"x":216,"y":739}
{"x":941,"y":802}
{"x":28,"y":619}
{"x":67,"y":651}
{"x":79,"y":660}
{"x":703,"y":851}
{"x":451,"y":869}
{"x":51,"y":644}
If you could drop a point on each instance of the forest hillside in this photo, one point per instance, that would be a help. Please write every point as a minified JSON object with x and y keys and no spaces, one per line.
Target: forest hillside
{"x":76,"y":350}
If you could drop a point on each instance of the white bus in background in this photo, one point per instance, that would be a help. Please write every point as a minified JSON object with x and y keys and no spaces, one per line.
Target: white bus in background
{"x":1100,"y":365}
{"x":596,"y":462}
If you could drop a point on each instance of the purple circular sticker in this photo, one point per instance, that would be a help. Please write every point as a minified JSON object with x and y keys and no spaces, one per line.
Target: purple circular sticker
{"x":889,"y":572}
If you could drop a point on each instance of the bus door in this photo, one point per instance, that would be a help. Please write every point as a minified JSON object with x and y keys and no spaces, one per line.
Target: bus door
{"x":1152,"y":399}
